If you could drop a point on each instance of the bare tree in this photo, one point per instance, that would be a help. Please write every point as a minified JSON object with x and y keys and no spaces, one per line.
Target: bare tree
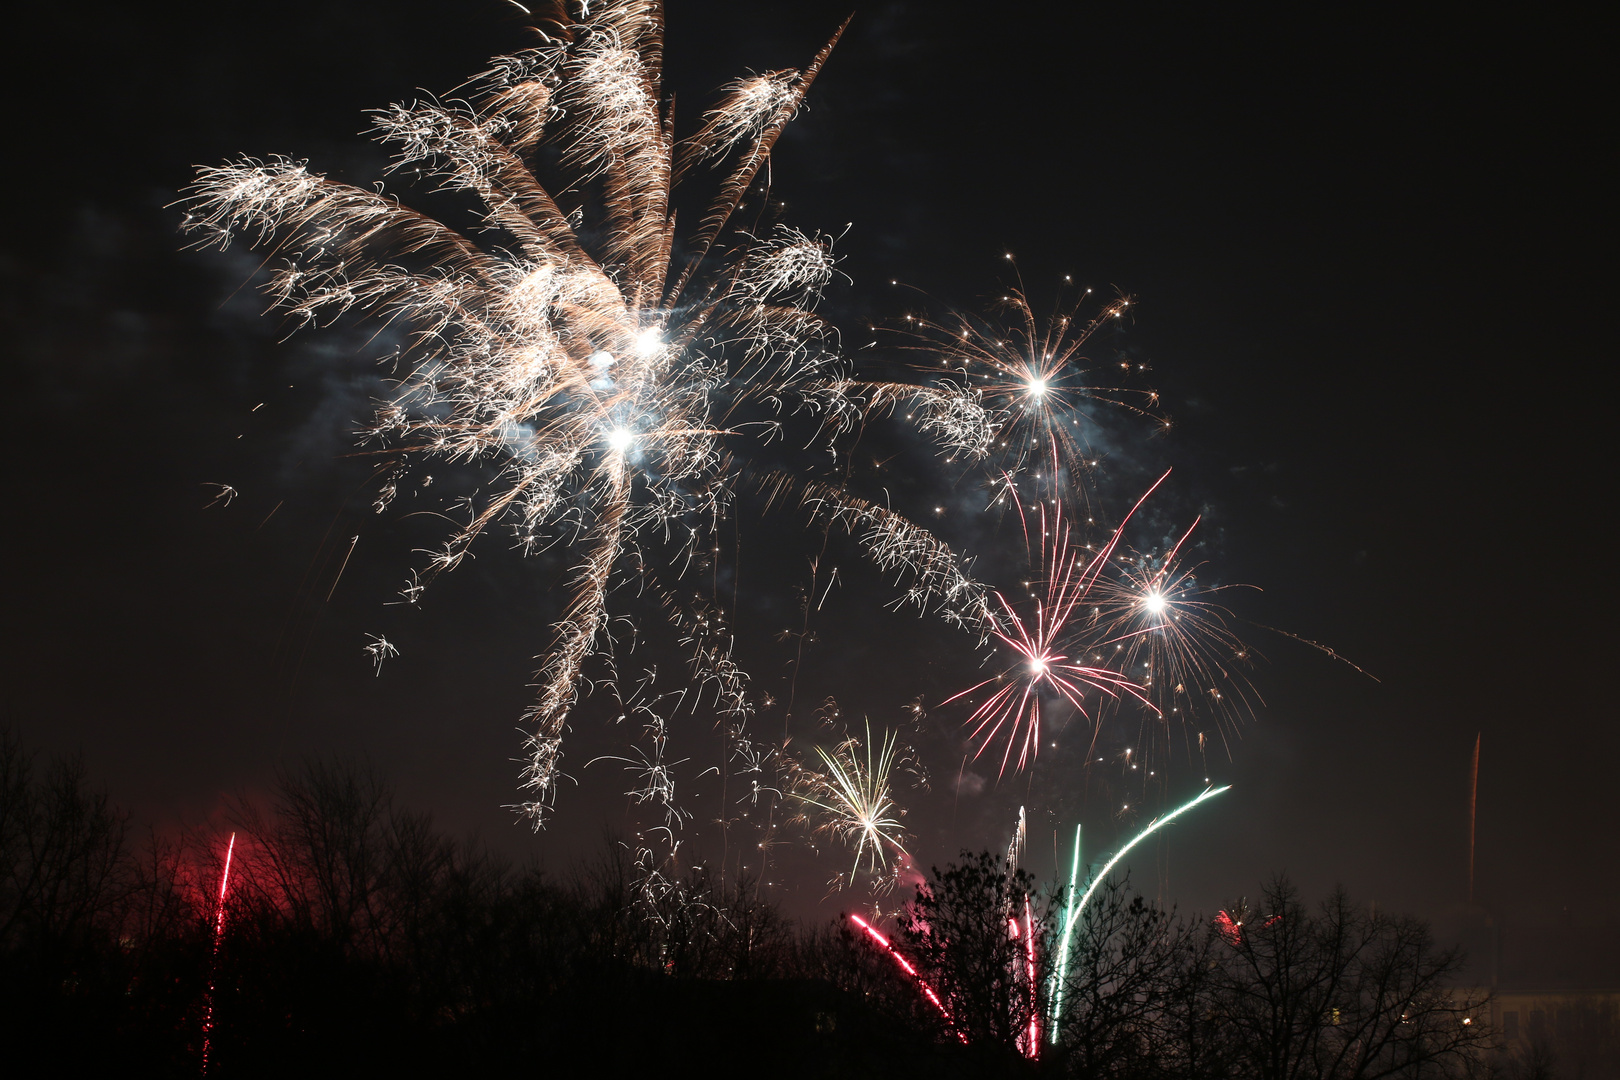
{"x":64,"y":857}
{"x":965,"y":932}
{"x":1133,"y":974}
{"x":1343,"y":995}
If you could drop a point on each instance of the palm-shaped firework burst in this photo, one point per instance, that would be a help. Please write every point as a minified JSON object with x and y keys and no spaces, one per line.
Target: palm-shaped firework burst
{"x":607,"y":366}
{"x":855,"y":800}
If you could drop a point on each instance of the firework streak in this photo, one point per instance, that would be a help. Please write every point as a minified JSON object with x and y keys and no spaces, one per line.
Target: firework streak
{"x":1032,"y":1045}
{"x":906,"y":966}
{"x":219,"y":932}
{"x":1073,"y":915}
{"x":1061,"y":975}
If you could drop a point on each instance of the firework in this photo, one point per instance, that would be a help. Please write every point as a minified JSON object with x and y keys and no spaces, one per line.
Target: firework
{"x":379,"y":648}
{"x":1015,"y":846}
{"x":1061,"y":974}
{"x":1032,"y":1043}
{"x":1229,"y":924}
{"x":653,"y":768}
{"x":219,"y":933}
{"x":1078,"y":907}
{"x":605,"y":369}
{"x":1046,"y":648}
{"x":855,"y":797}
{"x":906,"y":966}
{"x":1028,"y":379}
{"x":223,"y":495}
{"x":1170,"y":635}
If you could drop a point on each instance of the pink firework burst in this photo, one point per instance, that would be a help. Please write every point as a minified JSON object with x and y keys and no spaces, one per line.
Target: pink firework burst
{"x":1048,"y":652}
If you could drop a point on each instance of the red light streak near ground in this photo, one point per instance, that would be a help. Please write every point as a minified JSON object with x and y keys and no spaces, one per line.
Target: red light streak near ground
{"x":219,"y":931}
{"x":1030,"y":1045}
{"x":1033,"y":1047}
{"x":905,"y":965}
{"x":224,"y":880}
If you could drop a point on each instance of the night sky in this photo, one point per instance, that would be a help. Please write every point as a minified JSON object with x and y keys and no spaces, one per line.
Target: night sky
{"x":1367,"y":257}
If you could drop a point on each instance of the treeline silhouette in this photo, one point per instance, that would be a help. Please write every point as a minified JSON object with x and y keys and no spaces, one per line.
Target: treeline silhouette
{"x":356,"y":938}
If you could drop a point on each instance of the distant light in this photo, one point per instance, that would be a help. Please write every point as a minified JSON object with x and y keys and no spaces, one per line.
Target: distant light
{"x":1037,"y":667}
{"x":1037,"y":387}
{"x":621,"y":439}
{"x":1154,"y":602}
{"x":602,"y":359}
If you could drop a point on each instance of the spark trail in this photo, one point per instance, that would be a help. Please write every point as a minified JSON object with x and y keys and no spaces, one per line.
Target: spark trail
{"x":219,"y":933}
{"x":1079,"y":907}
{"x":906,"y":966}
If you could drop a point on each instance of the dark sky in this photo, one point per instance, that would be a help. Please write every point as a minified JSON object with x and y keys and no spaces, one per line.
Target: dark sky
{"x":1368,"y":255}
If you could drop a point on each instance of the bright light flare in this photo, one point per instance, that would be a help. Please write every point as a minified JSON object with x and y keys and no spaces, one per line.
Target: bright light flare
{"x":649,"y":342}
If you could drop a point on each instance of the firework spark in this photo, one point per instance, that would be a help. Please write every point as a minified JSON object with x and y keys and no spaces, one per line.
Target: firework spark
{"x":380,"y":649}
{"x":223,"y":495}
{"x":1171,"y":635}
{"x":1028,"y":378}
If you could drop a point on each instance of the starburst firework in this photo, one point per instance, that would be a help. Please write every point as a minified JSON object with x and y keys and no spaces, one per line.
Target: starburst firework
{"x":855,"y":799}
{"x":1029,"y":382}
{"x":1171,"y":635}
{"x":1048,"y":651}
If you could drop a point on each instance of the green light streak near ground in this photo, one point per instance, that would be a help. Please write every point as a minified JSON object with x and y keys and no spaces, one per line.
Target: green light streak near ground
{"x":1073,"y":915}
{"x":1061,"y":976}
